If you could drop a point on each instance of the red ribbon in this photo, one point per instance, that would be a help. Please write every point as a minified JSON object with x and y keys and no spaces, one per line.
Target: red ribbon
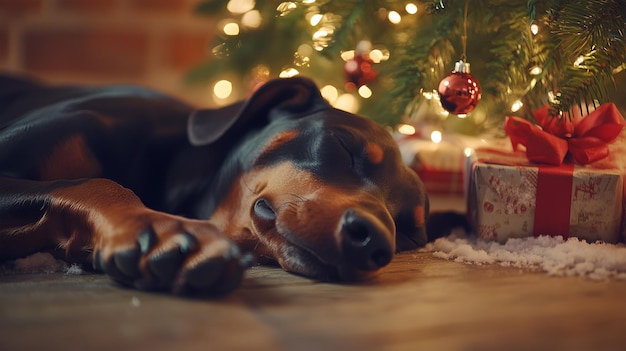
{"x":553,"y":200}
{"x":585,"y":139}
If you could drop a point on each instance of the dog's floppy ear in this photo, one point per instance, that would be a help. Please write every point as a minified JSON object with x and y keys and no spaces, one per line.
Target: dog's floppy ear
{"x":279,"y":98}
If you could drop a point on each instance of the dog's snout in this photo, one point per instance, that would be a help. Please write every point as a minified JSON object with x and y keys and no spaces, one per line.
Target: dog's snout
{"x":365,"y":242}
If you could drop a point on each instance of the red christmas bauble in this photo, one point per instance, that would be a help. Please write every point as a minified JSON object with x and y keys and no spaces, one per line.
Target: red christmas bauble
{"x":459,"y":91}
{"x":359,"y":70}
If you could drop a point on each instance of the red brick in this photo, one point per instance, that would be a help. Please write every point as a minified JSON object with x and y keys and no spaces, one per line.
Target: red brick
{"x":88,"y":6}
{"x":20,"y":7}
{"x":161,"y":6}
{"x":186,"y":49}
{"x":4,"y":43}
{"x":98,"y":52}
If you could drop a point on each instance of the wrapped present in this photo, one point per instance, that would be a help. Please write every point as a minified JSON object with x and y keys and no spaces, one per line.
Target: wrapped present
{"x":509,"y":198}
{"x":559,"y":184}
{"x":440,"y":165}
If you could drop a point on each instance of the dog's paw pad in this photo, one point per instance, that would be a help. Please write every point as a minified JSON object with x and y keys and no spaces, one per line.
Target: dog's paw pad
{"x":213,"y":276}
{"x":200,"y":277}
{"x":127,"y":262}
{"x":165,"y":263}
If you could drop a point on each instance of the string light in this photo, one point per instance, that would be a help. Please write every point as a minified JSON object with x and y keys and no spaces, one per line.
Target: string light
{"x":329,"y":93}
{"x":222,"y":89}
{"x":376,"y":55}
{"x":231,"y":28}
{"x":579,"y":61}
{"x":347,"y":55}
{"x":288,"y":73}
{"x":406,"y":129}
{"x":240,"y":6}
{"x":252,"y":19}
{"x":365,"y":92}
{"x":394,"y":17}
{"x":516,"y":106}
{"x":286,"y":7}
{"x":411,"y":8}
{"x":347,"y":102}
{"x":436,"y":136}
{"x":315,"y":19}
{"x":534,"y":28}
{"x":536,"y":70}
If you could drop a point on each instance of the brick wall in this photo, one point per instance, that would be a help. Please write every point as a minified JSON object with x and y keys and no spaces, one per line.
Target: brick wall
{"x":147,"y":42}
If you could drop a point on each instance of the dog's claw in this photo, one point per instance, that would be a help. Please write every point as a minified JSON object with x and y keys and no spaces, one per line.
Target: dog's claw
{"x":247,"y":260}
{"x":189,"y":262}
{"x":97,"y":262}
{"x":146,"y":240}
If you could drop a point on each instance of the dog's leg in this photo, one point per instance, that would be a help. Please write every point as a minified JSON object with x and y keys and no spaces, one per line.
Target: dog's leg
{"x":101,"y":222}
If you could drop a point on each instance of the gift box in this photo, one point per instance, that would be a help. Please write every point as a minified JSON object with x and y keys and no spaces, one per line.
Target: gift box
{"x":560,"y":179}
{"x":508,"y":197}
{"x":439,"y":165}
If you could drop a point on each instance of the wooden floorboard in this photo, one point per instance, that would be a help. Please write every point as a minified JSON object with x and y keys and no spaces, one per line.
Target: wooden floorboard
{"x":418,"y":303}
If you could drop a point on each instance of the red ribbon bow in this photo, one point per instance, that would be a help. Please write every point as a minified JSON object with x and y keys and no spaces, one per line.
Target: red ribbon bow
{"x":586,"y":139}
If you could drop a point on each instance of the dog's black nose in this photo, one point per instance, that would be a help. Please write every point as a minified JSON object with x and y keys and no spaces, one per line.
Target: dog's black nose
{"x":365,"y":242}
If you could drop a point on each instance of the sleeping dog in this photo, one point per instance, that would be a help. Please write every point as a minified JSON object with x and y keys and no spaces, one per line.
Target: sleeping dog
{"x":160,"y":196}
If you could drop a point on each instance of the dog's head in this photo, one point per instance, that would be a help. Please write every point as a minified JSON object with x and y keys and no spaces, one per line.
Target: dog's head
{"x":321,"y":191}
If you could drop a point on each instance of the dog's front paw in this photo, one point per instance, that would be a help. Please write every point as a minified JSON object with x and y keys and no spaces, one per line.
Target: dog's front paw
{"x":169,"y":253}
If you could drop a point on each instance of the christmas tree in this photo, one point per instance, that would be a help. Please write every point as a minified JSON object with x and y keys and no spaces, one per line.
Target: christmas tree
{"x":386,"y":59}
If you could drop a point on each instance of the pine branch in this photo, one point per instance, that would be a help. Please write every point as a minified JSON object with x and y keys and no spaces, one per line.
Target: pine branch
{"x":576,"y":54}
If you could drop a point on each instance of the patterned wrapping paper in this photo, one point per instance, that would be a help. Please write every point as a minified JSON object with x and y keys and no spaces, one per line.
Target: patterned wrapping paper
{"x":510,"y":198}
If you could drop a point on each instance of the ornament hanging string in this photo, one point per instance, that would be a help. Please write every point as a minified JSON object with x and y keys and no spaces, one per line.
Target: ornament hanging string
{"x":464,"y":36}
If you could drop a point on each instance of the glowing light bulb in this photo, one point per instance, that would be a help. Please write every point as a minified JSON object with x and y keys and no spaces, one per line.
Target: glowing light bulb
{"x":436,"y":136}
{"x":394,"y":17}
{"x":329,"y":93}
{"x":468,"y":151}
{"x":579,"y":61}
{"x":347,"y":102}
{"x":240,"y":6}
{"x":516,"y":105}
{"x":406,"y":129}
{"x":231,"y":29}
{"x":252,"y":19}
{"x":365,"y":92}
{"x":222,"y":89}
{"x":288,"y":72}
{"x":536,"y":70}
{"x":411,"y":8}
{"x":376,"y":55}
{"x":534,"y":28}
{"x":315,"y":19}
{"x":347,"y":55}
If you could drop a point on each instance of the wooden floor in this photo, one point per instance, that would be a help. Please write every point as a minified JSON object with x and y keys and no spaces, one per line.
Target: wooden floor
{"x":419,"y":303}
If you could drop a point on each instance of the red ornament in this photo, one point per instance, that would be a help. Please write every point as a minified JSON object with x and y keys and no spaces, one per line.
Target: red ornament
{"x":360,"y":70}
{"x":459,"y":91}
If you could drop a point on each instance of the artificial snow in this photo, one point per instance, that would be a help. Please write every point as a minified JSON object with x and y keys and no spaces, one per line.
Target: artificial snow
{"x":553,"y":255}
{"x":39,"y":263}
